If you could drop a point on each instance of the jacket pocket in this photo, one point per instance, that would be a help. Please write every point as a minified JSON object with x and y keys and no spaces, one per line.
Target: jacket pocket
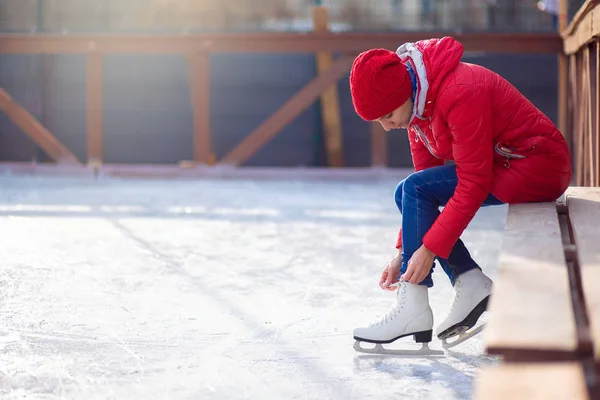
{"x":508,"y":153}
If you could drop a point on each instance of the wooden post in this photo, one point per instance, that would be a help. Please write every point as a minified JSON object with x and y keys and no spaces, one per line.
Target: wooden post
{"x":46,"y":70}
{"x":563,"y":11}
{"x":36,"y":131}
{"x":578,"y":140}
{"x":379,"y":151}
{"x":94,"y":98}
{"x":596,"y":132}
{"x":199,"y":72}
{"x":574,"y":107}
{"x":562,"y":94}
{"x":330,"y":109}
{"x":588,"y":132}
{"x":563,"y":75}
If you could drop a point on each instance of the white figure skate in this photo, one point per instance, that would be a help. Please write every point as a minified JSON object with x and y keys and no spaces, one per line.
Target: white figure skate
{"x":473,"y":290}
{"x":410,"y":315}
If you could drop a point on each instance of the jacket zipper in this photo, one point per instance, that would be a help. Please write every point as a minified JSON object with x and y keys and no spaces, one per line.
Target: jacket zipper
{"x":506,"y":152}
{"x":424,"y":139}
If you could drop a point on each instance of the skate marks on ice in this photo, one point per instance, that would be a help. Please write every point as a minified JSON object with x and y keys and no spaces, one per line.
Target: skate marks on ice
{"x":427,"y":372}
{"x":278,"y":348}
{"x":55,"y":343}
{"x":449,"y":376}
{"x":251,"y":356}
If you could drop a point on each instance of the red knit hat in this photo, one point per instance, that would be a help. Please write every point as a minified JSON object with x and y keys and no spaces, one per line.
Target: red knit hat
{"x":379,"y":83}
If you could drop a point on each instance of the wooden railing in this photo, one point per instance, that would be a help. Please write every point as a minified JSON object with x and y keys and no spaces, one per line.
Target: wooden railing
{"x":581,"y":101}
{"x":198,"y":48}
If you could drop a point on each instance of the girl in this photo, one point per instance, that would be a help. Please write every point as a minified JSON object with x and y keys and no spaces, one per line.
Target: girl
{"x":503,"y":150}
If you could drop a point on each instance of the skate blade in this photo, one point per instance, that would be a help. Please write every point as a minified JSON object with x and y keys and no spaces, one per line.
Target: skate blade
{"x":462,"y":337}
{"x":425,"y":350}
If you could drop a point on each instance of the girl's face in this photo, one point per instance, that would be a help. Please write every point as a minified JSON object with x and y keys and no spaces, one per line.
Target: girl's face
{"x":399,"y":118}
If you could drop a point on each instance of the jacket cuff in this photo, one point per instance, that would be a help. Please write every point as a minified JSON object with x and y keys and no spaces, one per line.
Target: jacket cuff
{"x":439,"y":241}
{"x":399,"y":239}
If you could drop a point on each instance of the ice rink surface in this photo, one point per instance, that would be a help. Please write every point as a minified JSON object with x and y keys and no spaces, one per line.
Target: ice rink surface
{"x":212,"y":289}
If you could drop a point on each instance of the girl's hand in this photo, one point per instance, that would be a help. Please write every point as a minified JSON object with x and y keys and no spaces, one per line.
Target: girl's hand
{"x":389,"y":276}
{"x":419,"y":265}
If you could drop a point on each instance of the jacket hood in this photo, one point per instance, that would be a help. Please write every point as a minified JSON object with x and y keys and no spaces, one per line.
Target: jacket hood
{"x":432,"y":60}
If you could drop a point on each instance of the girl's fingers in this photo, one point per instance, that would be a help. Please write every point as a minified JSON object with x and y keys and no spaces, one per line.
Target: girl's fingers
{"x":388,"y":280}
{"x":382,"y":280}
{"x":408,"y":274}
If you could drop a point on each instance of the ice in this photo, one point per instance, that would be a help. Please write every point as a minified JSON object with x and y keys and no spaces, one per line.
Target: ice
{"x":213,"y":289}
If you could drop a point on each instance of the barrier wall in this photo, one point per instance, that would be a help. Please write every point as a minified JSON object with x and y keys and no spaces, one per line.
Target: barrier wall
{"x":148,"y":115}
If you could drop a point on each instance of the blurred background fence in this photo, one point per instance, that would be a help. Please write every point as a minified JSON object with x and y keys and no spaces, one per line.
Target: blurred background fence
{"x":264,"y":15}
{"x":146,"y":110}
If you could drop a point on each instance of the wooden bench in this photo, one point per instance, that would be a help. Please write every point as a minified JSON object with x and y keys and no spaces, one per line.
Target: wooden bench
{"x":544,"y":313}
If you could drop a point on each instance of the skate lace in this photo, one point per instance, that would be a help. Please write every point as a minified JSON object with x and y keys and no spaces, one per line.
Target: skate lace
{"x":458,"y":289}
{"x":394,"y":310}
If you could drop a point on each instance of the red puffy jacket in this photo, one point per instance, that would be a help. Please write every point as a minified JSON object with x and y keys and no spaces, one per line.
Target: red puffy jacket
{"x":501,"y":143}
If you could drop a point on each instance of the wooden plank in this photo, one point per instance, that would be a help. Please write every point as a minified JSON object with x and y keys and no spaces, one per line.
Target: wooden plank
{"x":35,"y":130}
{"x":531,"y":312}
{"x":94,"y":108}
{"x":286,"y":113}
{"x":379,"y":141}
{"x":342,"y":42}
{"x":46,"y":73}
{"x":586,"y":115}
{"x":596,"y":115}
{"x":330,"y":107}
{"x":573,"y":102}
{"x":199,"y":70}
{"x":596,"y":131}
{"x":563,"y":88}
{"x":552,"y":381}
{"x":578,"y":17}
{"x":578,"y":140}
{"x":580,"y":31}
{"x":584,"y":212}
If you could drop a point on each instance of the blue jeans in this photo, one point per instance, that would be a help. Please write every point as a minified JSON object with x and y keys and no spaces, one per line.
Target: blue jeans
{"x":419,"y":198}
